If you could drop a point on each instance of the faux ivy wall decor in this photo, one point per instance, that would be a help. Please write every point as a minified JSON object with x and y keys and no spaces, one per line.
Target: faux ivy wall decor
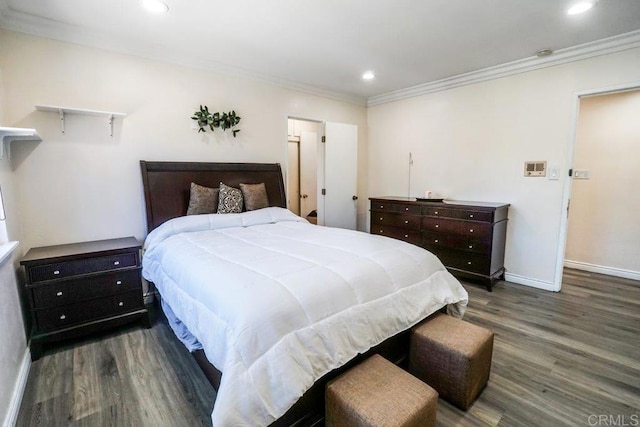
{"x":216,"y":120}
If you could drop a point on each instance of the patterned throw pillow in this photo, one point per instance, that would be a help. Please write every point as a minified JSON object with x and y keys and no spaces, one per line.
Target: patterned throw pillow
{"x":230,"y":200}
{"x":202,"y":200}
{"x":255,"y":196}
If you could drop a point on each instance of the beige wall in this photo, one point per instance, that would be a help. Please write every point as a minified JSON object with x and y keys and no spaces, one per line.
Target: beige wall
{"x":85,"y":185}
{"x":604,"y":230}
{"x":469,"y":143}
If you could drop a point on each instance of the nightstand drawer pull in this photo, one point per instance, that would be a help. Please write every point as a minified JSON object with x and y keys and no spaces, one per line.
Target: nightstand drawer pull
{"x":380,"y":218}
{"x":381,"y":231}
{"x":436,"y":241}
{"x":471,"y":230}
{"x":116,"y":262}
{"x":119,"y":282}
{"x":471,"y":216}
{"x":120,"y":304}
{"x":381,"y":207}
{"x":436,"y":212}
{"x":406,"y":236}
{"x":406,"y":209}
{"x":437,"y":226}
{"x":468,"y":262}
{"x":63,"y":317}
{"x":406,"y":222}
{"x":56,"y":272}
{"x":59,"y":293}
{"x":470,"y":246}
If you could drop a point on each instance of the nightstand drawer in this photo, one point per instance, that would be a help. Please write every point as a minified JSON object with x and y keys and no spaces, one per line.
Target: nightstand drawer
{"x":73,"y":314}
{"x":76,"y":290}
{"x":61,"y":270}
{"x":458,"y":213}
{"x":397,"y":233}
{"x":395,"y":220}
{"x":477,"y":230}
{"x":435,"y":240}
{"x":395,"y":207}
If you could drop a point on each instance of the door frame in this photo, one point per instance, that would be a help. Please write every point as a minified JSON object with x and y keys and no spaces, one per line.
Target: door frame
{"x":566,"y":194}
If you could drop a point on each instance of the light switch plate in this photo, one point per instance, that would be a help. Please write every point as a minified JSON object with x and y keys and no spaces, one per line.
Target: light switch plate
{"x":581,"y":174}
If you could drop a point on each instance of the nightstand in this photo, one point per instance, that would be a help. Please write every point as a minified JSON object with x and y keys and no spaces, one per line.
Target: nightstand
{"x":81,"y":288}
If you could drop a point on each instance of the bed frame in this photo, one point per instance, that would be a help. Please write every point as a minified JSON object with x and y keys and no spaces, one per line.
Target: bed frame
{"x":166,"y":193}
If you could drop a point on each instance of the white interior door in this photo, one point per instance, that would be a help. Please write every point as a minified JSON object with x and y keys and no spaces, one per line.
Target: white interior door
{"x":340,"y":175}
{"x":293,"y":178}
{"x":308,"y":172}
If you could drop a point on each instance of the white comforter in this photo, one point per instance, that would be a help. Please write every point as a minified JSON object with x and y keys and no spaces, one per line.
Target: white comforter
{"x":277,"y":302}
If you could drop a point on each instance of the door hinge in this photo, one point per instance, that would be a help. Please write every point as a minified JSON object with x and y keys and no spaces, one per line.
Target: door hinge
{"x":324,"y":138}
{"x":570,"y":172}
{"x":324,"y":191}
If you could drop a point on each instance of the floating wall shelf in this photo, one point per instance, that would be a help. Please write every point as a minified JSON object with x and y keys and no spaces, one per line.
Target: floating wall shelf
{"x":83,"y":112}
{"x":8,"y":135}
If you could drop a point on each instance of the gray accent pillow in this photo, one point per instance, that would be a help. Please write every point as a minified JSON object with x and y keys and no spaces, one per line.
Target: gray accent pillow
{"x":255,"y":196}
{"x":202,"y":200}
{"x":230,"y":200}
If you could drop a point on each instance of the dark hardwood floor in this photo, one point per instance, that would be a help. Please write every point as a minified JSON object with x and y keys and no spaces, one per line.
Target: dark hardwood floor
{"x":569,"y":358}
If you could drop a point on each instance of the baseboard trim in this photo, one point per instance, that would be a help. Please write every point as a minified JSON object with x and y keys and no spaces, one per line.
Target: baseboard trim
{"x":527,"y":281}
{"x":601,"y":269}
{"x":18,"y":391}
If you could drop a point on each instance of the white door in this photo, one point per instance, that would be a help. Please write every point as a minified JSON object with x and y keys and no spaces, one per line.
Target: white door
{"x":308,"y":173}
{"x":293,"y":178}
{"x":340,"y":176}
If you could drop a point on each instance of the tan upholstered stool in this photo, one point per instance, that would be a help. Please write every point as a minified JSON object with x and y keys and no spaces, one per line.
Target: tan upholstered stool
{"x":378,"y":393}
{"x":452,"y":356}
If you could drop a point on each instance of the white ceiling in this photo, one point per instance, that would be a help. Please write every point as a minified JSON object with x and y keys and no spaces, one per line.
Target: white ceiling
{"x":325,"y":45}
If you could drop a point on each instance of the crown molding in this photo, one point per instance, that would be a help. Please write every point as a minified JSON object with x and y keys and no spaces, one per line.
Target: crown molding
{"x":562,"y":56}
{"x":48,"y":28}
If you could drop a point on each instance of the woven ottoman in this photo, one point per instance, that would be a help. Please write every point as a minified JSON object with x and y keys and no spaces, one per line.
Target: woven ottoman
{"x":452,"y":356}
{"x":378,"y":393}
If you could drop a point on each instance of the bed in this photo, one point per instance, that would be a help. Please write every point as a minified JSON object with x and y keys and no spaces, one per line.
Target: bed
{"x":272,"y":306}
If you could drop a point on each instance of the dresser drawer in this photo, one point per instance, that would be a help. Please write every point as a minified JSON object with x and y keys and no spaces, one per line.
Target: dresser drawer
{"x":409,"y":236}
{"x":457,"y":213}
{"x":467,"y":261}
{"x":75,"y":290}
{"x":383,"y":206}
{"x":395,"y":220}
{"x":477,"y":230}
{"x":61,"y":270}
{"x":439,"y":240}
{"x":73,"y":314}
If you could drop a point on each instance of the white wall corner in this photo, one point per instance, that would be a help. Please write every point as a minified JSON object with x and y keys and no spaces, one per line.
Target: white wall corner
{"x":534,"y":283}
{"x":18,"y":391}
{"x":601,"y":269}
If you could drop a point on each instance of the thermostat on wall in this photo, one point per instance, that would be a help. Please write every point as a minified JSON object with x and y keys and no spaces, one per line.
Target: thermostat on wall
{"x":535,"y":168}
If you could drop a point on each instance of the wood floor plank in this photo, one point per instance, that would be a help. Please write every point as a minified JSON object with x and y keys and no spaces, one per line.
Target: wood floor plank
{"x":558,"y":359}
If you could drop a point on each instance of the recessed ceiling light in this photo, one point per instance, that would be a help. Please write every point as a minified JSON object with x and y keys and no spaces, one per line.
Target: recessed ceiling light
{"x":155,"y":6}
{"x":368,"y":75}
{"x":581,"y":7}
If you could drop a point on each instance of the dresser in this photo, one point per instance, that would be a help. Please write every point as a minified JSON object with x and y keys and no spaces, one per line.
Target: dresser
{"x":82,"y":288}
{"x":468,"y":237}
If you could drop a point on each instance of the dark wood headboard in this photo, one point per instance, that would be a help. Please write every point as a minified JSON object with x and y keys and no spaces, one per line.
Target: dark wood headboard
{"x":167,"y":184}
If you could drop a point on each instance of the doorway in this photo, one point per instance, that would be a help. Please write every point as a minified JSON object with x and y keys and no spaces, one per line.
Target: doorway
{"x":601,"y":233}
{"x":303,"y":159}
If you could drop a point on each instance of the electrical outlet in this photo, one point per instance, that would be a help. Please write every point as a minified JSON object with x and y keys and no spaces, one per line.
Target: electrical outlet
{"x":581,"y":174}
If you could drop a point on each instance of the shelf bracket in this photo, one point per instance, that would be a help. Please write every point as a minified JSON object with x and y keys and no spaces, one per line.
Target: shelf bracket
{"x":111,"y":125}
{"x":61,"y":120}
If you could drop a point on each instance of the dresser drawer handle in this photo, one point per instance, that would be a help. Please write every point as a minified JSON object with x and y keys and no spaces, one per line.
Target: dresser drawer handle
{"x":119,"y":282}
{"x":470,"y":216}
{"x":436,"y":241}
{"x":437,"y":226}
{"x":59,"y":293}
{"x":406,"y":236}
{"x":471,"y":230}
{"x":406,"y":209}
{"x":120,"y":304}
{"x":116,"y":262}
{"x":436,"y":212}
{"x":381,"y":207}
{"x":63,"y":317}
{"x":470,"y":246}
{"x":406,"y":222}
{"x":468,"y":262}
{"x":381,"y":218}
{"x":381,"y":231}
{"x":56,"y":272}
